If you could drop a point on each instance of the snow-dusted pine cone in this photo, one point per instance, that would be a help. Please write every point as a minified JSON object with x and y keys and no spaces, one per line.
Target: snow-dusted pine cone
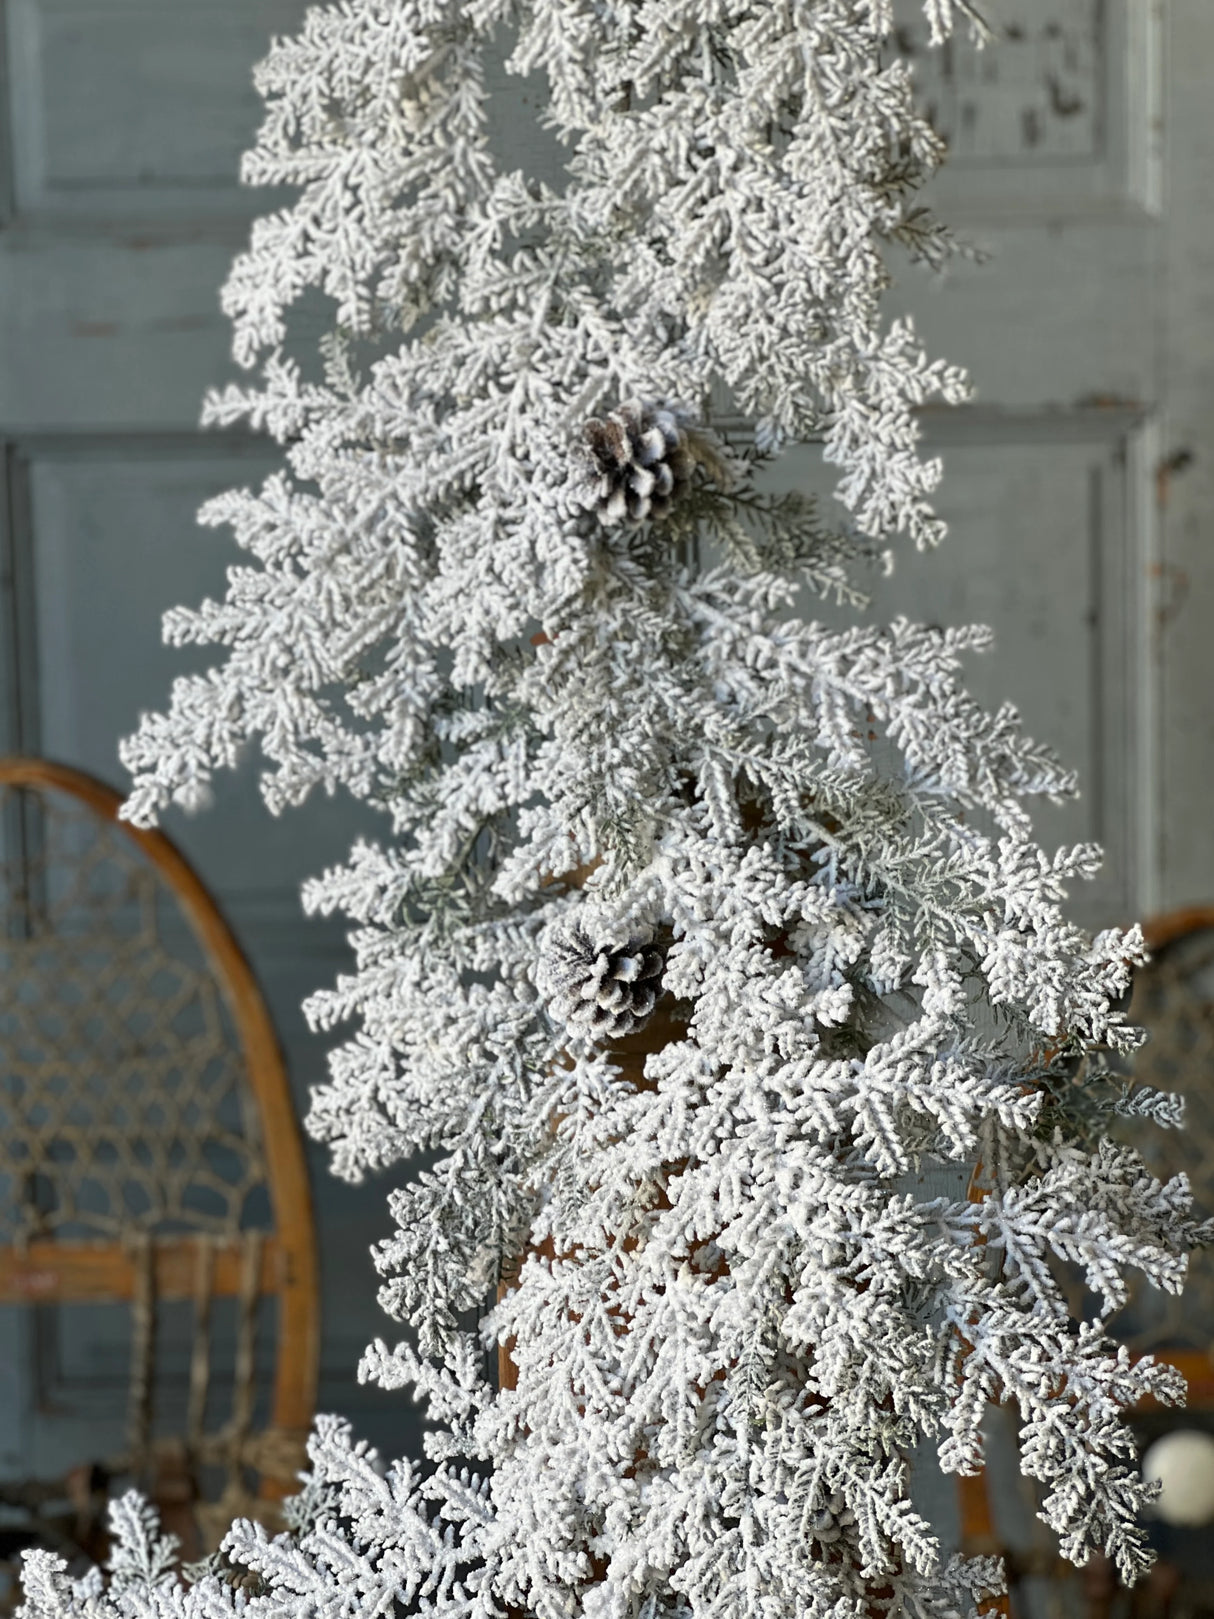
{"x":595,"y":986}
{"x":831,"y":1522}
{"x":639,"y":459}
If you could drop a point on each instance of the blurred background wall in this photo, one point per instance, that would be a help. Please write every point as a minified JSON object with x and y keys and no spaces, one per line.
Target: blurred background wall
{"x":1078,"y":485}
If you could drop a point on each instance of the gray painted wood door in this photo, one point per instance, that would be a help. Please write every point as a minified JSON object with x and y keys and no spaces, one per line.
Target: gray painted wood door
{"x":1076,"y":531}
{"x":1076,"y":485}
{"x":123,"y":121}
{"x":1056,"y":171}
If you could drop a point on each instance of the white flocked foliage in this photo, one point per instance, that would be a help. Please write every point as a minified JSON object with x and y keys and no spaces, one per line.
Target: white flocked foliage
{"x":733,"y":1313}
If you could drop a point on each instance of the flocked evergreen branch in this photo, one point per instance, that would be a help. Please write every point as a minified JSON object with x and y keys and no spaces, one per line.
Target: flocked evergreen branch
{"x":611,"y":758}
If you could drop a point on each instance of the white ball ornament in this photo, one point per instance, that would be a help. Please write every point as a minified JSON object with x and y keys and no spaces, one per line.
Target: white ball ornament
{"x":1183,"y":1463}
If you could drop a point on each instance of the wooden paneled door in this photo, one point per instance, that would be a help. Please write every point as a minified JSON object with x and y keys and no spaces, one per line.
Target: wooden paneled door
{"x":1079,"y":484}
{"x":1076,"y":485}
{"x":1057,"y":171}
{"x":121,"y":126}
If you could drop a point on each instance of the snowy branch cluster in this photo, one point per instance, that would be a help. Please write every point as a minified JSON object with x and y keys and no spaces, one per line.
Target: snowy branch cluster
{"x":605,"y":748}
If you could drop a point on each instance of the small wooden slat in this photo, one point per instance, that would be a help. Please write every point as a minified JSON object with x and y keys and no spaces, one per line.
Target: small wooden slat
{"x":246,"y":1339}
{"x":50,"y":1272}
{"x":143,"y":1348}
{"x":200,"y":1351}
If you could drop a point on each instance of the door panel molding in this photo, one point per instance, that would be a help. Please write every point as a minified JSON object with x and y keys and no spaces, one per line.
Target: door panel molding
{"x":1059,"y":117}
{"x":1113,"y":450}
{"x":20,"y":706}
{"x":1072,"y":488}
{"x":122,"y":112}
{"x":21,"y":728}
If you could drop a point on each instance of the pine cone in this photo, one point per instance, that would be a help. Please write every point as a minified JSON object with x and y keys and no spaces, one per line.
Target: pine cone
{"x":639,"y":461}
{"x":596,"y":987}
{"x":831,"y":1522}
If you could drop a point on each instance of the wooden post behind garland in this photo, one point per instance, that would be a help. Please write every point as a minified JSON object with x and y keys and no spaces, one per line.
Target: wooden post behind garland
{"x":979,"y":1534}
{"x":668,"y":1023}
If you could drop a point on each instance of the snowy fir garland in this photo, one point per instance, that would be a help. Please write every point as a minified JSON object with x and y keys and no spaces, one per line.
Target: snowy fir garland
{"x":516,"y":590}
